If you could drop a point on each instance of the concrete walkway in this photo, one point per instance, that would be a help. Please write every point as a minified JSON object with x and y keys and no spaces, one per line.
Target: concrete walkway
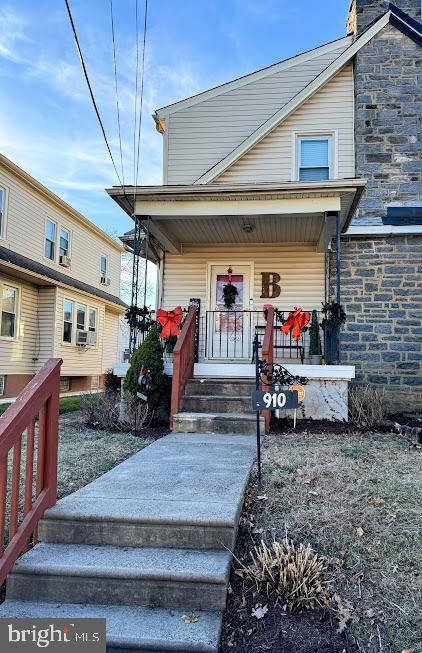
{"x":143,"y":545}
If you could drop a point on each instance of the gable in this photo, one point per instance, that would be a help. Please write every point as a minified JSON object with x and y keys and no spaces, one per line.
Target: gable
{"x":330,"y":110}
{"x":198,"y":137}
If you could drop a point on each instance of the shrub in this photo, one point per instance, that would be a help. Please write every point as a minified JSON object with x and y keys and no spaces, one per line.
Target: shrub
{"x":149,"y":355}
{"x":314,"y":339}
{"x":101,"y":410}
{"x":294,"y":574}
{"x":367,"y":406}
{"x":111,"y":382}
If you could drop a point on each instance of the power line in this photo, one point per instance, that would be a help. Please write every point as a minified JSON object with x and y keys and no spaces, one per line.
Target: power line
{"x":78,"y":47}
{"x":142,"y":90}
{"x":116,"y":89}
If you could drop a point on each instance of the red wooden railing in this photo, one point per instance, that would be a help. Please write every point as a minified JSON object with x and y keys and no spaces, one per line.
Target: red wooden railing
{"x":268,"y":355}
{"x":39,"y":399}
{"x":183,"y":361}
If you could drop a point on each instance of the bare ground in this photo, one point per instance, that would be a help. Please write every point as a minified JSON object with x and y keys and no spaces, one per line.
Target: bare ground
{"x":355,"y":497}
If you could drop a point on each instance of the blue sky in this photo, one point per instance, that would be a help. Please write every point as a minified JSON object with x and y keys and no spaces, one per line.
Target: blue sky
{"x":47,"y":123}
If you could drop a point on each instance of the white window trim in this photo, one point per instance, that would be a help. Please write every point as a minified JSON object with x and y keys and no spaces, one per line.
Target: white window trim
{"x":3,"y":226}
{"x":72,"y":333}
{"x":17,"y":314}
{"x":297,"y":136}
{"x":75,"y":303}
{"x":107,"y":274}
{"x":2,"y":384}
{"x":92,"y":308}
{"x":59,"y":225}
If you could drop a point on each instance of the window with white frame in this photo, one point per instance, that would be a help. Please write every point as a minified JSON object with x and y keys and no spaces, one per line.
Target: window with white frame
{"x":64,"y":243}
{"x":95,"y":382}
{"x":92,"y":319}
{"x":314,"y":158}
{"x":2,"y":384}
{"x":67,"y":320}
{"x":50,"y":240}
{"x":9,"y":310}
{"x":104,"y":265}
{"x":64,"y":384}
{"x":80,"y":317}
{"x":2,"y":211}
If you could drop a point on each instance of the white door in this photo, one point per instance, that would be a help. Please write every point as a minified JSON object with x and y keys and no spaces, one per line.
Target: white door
{"x":229,"y":330}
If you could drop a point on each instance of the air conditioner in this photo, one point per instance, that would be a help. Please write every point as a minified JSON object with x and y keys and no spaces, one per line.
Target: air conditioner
{"x":106,"y":281}
{"x":86,"y":338}
{"x":65,"y":261}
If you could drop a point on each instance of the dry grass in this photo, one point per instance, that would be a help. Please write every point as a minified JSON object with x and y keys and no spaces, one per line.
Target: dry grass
{"x":367,"y":406}
{"x":356,"y":499}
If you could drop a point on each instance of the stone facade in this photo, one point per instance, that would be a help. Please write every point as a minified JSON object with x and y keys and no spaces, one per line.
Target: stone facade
{"x":382,"y":296}
{"x":364,"y":12}
{"x":381,"y":276}
{"x":388,"y":124}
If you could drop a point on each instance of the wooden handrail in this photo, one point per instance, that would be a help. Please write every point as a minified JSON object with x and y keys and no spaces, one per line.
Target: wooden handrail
{"x":39,"y":399}
{"x":183,"y":361}
{"x":268,"y":355}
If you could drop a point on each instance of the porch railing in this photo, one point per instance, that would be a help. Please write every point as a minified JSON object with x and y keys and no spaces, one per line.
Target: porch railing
{"x":183,"y":360}
{"x":230,"y":334}
{"x":33,"y":489}
{"x":268,"y":355}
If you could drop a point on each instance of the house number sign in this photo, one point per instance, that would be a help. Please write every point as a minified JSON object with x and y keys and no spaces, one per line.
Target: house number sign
{"x":272,"y":399}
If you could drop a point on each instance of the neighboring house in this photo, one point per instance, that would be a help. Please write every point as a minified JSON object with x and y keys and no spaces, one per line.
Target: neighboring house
{"x":60,"y":284}
{"x":265,"y":173}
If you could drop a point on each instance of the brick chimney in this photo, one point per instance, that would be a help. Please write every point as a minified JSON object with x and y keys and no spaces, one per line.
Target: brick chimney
{"x":364,"y":12}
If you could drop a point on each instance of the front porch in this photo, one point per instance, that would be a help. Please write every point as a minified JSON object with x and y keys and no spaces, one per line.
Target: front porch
{"x":278,"y":244}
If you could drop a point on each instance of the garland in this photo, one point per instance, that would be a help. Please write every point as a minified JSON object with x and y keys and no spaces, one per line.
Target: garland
{"x":334,"y":314}
{"x":139,"y":318}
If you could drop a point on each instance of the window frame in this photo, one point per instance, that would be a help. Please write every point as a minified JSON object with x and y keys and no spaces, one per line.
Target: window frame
{"x":67,"y":230}
{"x":85,"y":307}
{"x":322,"y":134}
{"x":107,"y":269}
{"x":47,"y":220}
{"x":3,"y":219}
{"x":95,"y":311}
{"x":72,"y":323}
{"x":3,"y":285}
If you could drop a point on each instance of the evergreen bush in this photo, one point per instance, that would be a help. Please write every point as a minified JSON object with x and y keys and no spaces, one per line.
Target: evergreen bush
{"x":314,"y":339}
{"x":149,"y":355}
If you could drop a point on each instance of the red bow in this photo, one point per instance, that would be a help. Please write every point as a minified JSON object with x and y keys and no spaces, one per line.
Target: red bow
{"x":170,"y":321}
{"x":296,"y":321}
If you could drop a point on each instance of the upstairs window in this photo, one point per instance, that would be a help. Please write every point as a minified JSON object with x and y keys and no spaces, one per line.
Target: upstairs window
{"x":314,"y":158}
{"x":50,"y":240}
{"x":67,"y":320}
{"x":104,"y":266}
{"x":9,"y":307}
{"x":2,"y":211}
{"x":64,"y":242}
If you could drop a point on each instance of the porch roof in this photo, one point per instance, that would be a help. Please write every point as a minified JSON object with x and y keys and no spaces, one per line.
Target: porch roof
{"x":241,"y":213}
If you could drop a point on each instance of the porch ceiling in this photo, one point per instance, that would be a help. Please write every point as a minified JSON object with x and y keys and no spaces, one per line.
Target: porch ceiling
{"x":218,"y":213}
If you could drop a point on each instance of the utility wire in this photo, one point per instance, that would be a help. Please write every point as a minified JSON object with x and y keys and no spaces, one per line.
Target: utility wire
{"x":116,"y":89}
{"x":78,"y":47}
{"x":135,"y":116}
{"x":141,"y":101}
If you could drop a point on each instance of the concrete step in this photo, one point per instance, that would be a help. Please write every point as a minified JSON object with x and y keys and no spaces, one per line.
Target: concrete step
{"x":165,"y":578}
{"x":216,"y":404}
{"x":227,"y":423}
{"x":230,"y":388}
{"x":150,"y":630}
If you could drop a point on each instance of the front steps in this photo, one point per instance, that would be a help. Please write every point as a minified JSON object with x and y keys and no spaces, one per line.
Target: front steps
{"x":217,"y":406}
{"x":142,"y":546}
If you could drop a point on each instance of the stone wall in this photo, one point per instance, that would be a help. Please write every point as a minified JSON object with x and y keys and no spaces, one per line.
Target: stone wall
{"x":388,"y":80}
{"x":364,"y":12}
{"x":382,"y":294}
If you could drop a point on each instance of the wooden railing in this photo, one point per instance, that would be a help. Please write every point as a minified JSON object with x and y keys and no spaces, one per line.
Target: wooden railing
{"x":36,"y":412}
{"x":183,"y":361}
{"x":268,"y":355}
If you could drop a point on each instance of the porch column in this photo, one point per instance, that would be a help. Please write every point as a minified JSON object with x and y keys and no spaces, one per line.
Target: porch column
{"x":338,"y":234}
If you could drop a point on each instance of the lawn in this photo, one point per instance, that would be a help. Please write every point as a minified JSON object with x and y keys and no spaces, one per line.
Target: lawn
{"x":67,"y":405}
{"x":356,"y":499}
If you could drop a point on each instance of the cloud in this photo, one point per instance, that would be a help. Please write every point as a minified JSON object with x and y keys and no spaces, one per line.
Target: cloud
{"x":12,"y":34}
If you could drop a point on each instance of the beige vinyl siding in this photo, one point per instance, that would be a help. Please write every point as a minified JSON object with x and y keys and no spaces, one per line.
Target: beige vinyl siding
{"x":330,"y":109}
{"x":47,"y":325}
{"x":79,"y":361}
{"x":27,"y":212}
{"x":199,"y":137}
{"x":110,"y":343}
{"x":301,"y":270}
{"x":16,"y":356}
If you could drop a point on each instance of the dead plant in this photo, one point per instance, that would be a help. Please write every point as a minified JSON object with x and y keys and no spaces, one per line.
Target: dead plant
{"x":367,"y":406}
{"x":295,"y":574}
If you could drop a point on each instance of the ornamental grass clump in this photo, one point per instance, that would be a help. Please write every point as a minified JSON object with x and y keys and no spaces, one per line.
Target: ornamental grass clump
{"x":294,"y":574}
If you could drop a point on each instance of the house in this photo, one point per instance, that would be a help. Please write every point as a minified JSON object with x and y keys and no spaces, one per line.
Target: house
{"x":300,"y":183}
{"x":60,"y":284}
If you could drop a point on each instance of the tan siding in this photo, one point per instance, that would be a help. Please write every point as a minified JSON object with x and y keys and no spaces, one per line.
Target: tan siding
{"x":26,"y":215}
{"x":47,"y":325}
{"x":16,"y":356}
{"x":79,"y":361}
{"x":110,"y":345}
{"x":200,"y":136}
{"x":300,"y":267}
{"x":330,"y":109}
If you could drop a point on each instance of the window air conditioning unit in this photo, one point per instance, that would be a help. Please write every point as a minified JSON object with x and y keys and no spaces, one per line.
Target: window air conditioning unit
{"x":65,"y":261}
{"x":106,"y":281}
{"x":86,"y":338}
